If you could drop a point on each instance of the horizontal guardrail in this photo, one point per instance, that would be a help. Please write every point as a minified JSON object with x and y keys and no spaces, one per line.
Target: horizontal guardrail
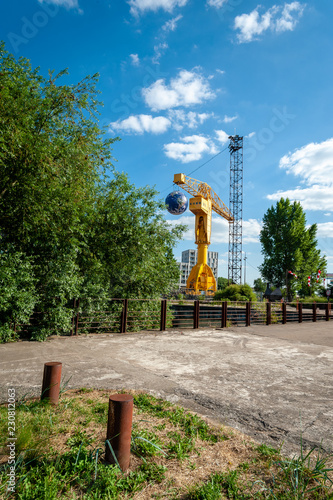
{"x":129,"y":315}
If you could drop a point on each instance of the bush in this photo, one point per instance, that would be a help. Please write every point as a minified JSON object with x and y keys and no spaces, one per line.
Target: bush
{"x":17,"y":292}
{"x":308,"y":301}
{"x":239,"y":293}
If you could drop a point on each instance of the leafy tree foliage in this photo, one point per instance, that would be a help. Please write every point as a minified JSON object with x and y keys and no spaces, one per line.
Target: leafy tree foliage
{"x":241,"y":293}
{"x":259,"y":285}
{"x":132,"y":241}
{"x":18,"y":295}
{"x":288,"y":245}
{"x":71,"y":224}
{"x":222,"y":283}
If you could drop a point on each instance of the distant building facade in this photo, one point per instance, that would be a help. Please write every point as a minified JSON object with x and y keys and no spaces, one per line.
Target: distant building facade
{"x":189,"y":259}
{"x":329,"y":280}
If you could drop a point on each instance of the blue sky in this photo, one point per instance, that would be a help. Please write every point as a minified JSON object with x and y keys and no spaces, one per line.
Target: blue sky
{"x":177,"y":77}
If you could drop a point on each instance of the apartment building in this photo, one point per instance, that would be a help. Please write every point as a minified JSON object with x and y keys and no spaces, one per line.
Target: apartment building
{"x":189,"y":259}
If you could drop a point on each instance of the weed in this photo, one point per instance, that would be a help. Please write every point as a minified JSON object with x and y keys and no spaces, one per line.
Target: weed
{"x":191,"y":424}
{"x":60,"y":454}
{"x":180,"y":446}
{"x":267,"y":451}
{"x":85,"y":389}
{"x":217,"y":484}
{"x":146,"y":444}
{"x":80,"y":438}
{"x":306,"y":473}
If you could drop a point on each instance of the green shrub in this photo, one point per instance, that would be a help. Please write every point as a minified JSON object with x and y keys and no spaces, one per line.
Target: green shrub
{"x":18,"y":294}
{"x":239,"y":293}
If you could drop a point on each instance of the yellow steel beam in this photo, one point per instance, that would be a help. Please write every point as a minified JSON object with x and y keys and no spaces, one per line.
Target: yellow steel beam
{"x":198,"y":188}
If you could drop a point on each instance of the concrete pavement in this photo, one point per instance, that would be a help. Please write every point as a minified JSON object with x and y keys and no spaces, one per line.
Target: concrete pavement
{"x":270,"y":382}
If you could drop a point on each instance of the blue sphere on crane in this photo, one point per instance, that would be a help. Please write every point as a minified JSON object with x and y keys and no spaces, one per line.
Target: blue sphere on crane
{"x":176,"y":203}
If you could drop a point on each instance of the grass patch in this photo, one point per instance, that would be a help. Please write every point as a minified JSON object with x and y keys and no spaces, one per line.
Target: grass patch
{"x":176,"y":455}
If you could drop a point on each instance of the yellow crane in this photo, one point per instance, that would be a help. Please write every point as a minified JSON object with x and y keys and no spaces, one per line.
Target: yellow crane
{"x":201,"y":278}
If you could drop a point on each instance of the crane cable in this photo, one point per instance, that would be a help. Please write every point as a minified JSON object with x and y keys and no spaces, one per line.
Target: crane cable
{"x":200,"y":166}
{"x":210,"y":159}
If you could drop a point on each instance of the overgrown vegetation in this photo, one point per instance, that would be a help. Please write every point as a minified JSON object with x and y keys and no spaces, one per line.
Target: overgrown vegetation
{"x":175,"y":455}
{"x":70,"y":225}
{"x":239,"y":293}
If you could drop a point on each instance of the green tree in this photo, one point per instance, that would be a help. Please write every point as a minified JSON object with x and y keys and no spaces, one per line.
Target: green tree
{"x":131,"y":239}
{"x":259,"y":285}
{"x":222,"y":283}
{"x":52,"y":157}
{"x":288,"y":245}
{"x":76,"y":225}
{"x":18,"y":295}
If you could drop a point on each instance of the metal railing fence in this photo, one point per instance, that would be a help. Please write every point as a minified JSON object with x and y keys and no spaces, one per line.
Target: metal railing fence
{"x":134,"y":315}
{"x":130,"y":315}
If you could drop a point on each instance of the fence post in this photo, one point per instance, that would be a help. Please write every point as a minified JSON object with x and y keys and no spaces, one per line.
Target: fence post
{"x":196,"y":314}
{"x":224,"y":314}
{"x":123,"y":318}
{"x":300,"y":312}
{"x":163,"y":314}
{"x":77,"y":318}
{"x":51,"y":382}
{"x":248,"y":314}
{"x":119,"y":430}
{"x":327,"y":311}
{"x":284,"y":313}
{"x":268,"y":313}
{"x":314,"y":312}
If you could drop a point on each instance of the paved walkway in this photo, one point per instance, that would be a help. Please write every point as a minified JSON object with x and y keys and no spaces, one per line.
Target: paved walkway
{"x":269,"y":382}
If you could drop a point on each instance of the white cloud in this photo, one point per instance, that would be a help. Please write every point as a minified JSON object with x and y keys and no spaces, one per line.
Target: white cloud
{"x":220,"y":71}
{"x":277,"y":19}
{"x":68,"y":4}
{"x":186,"y":89}
{"x":216,"y":3}
{"x":139,"y":124}
{"x":190,"y":149}
{"x":181,"y":118}
{"x":187,"y":220}
{"x":325,"y":230}
{"x":286,"y":22}
{"x":159,"y":49}
{"x":142,"y":6}
{"x":162,"y":46}
{"x":135,"y":59}
{"x":312,"y":198}
{"x":313,"y":164}
{"x":229,"y":119}
{"x":220,"y":229}
{"x":222,"y":136}
{"x":172,"y":24}
{"x":250,"y":230}
{"x":252,"y":24}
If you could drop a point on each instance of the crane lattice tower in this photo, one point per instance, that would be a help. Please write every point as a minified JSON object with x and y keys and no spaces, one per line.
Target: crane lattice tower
{"x":236,"y":208}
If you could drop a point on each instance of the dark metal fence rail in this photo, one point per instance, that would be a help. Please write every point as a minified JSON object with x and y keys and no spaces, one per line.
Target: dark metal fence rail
{"x":132,"y":315}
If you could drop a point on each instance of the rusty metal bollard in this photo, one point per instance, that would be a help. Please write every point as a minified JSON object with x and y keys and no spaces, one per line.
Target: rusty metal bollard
{"x":119,"y":430}
{"x":51,"y":382}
